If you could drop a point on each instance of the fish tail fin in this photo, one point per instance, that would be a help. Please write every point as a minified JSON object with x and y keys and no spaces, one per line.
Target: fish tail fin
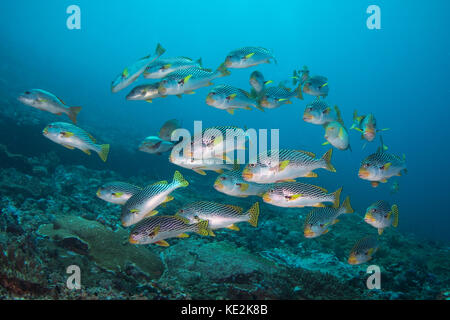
{"x":253,"y":214}
{"x":179,"y":179}
{"x":346,"y":206}
{"x":336,"y":197}
{"x":295,"y":77}
{"x":73,"y":113}
{"x":299,"y":91}
{"x":203,"y":229}
{"x":394,"y":209}
{"x":327,"y":159}
{"x":103,"y":153}
{"x":159,"y":50}
{"x":222,"y":69}
{"x":199,"y":61}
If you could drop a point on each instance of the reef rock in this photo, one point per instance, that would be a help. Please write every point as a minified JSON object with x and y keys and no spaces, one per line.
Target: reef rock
{"x":109,"y":249}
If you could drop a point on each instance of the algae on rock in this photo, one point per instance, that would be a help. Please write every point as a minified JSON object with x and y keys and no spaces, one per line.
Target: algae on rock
{"x":109,"y":249}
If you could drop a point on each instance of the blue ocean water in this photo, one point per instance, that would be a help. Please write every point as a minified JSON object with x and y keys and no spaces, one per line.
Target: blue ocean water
{"x":398,"y":72}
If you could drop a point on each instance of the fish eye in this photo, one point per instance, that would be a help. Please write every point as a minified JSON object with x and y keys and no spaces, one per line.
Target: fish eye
{"x":181,"y":210}
{"x":252,"y":165}
{"x":374,"y":210}
{"x":287,"y":197}
{"x":321,"y":225}
{"x":223,"y":178}
{"x":310,"y":109}
{"x":212,"y":93}
{"x":271,"y":190}
{"x":196,"y":217}
{"x":366,"y":165}
{"x":27,"y":92}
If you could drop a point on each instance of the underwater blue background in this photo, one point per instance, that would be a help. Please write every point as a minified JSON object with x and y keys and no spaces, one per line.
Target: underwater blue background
{"x":399,"y":73}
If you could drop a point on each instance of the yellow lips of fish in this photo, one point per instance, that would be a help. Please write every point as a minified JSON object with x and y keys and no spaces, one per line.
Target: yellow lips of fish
{"x":218,"y":184}
{"x":264,"y":102}
{"x":247,"y":174}
{"x":98,"y":192}
{"x":363,"y":173}
{"x":352,"y":259}
{"x":45,"y":131}
{"x":228,"y":62}
{"x":308,"y":233}
{"x":307,"y":116}
{"x":266,"y":197}
{"x":132,"y":240}
{"x":369,"y":218}
{"x":209,"y":100}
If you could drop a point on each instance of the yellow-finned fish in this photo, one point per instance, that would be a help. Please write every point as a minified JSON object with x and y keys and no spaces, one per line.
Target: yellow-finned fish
{"x":145,"y":92}
{"x":157,"y":229}
{"x":219,"y":215}
{"x":380,"y":166}
{"x":117,"y":192}
{"x":367,"y":125}
{"x":248,"y":57}
{"x":72,"y":137}
{"x":319,"y":220}
{"x":47,"y":101}
{"x":291,"y":164}
{"x":297,"y":194}
{"x":231,"y":183}
{"x":363,"y":250}
{"x":132,"y":72}
{"x":143,"y":203}
{"x":162,"y":67}
{"x":229,"y":98}
{"x":382,"y":215}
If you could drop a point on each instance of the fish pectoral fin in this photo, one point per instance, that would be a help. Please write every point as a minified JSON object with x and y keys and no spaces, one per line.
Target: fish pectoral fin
{"x":189,"y":92}
{"x":233,"y":227}
{"x":384,"y":180}
{"x":380,"y":231}
{"x":151,"y":213}
{"x":179,"y":96}
{"x":169,"y":198}
{"x":68,"y":147}
{"x":243,"y":186}
{"x":319,"y":205}
{"x":200,"y":171}
{"x":326,"y":231}
{"x":183,"y":235}
{"x":325,"y":143}
{"x":386,"y":166}
{"x":117,"y":194}
{"x":248,"y":56}
{"x":149,"y":100}
{"x":86,"y":151}
{"x":311,"y":175}
{"x":162,"y":243}
{"x":335,"y":221}
{"x":374,"y":184}
{"x":67,"y":134}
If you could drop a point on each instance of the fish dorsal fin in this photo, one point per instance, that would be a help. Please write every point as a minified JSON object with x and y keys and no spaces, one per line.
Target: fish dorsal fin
{"x":323,"y":189}
{"x":307,"y":153}
{"x":125,"y":73}
{"x":236,"y":208}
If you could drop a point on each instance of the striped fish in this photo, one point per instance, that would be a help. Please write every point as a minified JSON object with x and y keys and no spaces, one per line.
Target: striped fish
{"x":187,"y":80}
{"x":274,"y":97}
{"x":231,"y":183}
{"x":258,"y":83}
{"x":145,"y":92}
{"x":291,"y":164}
{"x":157,"y":229}
{"x":318,"y":220}
{"x":319,"y":112}
{"x":382,"y":215}
{"x":297,"y":194}
{"x":248,"y":57}
{"x":316,"y":86}
{"x":132,"y":72}
{"x":143,"y":203}
{"x":229,"y":98}
{"x":363,"y":250}
{"x":164,"y":66}
{"x":380,"y":166}
{"x":46,"y":101}
{"x":117,"y":192}
{"x":216,"y":142}
{"x":72,"y":137}
{"x":219,"y":215}
{"x":367,"y":125}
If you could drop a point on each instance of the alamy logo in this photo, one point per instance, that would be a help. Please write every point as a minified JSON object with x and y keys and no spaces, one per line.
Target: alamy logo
{"x":74,"y":281}
{"x":374,"y":281}
{"x":374,"y":20}
{"x":74,"y":20}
